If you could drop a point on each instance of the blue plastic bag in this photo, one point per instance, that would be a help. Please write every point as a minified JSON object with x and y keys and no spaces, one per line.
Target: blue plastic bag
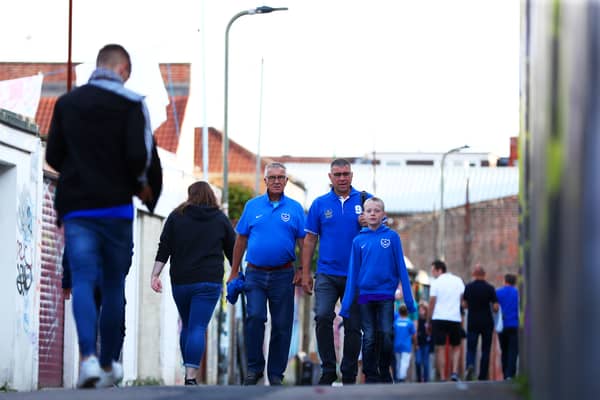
{"x":235,"y":287}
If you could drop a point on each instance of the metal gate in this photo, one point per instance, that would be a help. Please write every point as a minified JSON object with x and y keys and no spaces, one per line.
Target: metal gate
{"x":52,"y":308}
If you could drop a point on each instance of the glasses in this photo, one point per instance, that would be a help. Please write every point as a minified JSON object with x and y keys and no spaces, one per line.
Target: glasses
{"x":339,"y":174}
{"x":273,"y":178}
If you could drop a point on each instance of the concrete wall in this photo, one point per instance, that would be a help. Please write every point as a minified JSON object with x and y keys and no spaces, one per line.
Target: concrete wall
{"x":20,"y":214}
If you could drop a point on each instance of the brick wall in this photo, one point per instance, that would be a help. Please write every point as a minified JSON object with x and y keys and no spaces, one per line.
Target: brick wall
{"x":485,"y":233}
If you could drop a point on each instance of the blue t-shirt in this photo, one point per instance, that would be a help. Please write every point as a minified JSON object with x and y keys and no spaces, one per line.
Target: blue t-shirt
{"x":508,"y":297}
{"x":404,"y":329}
{"x":336,"y":224}
{"x":272,"y":230}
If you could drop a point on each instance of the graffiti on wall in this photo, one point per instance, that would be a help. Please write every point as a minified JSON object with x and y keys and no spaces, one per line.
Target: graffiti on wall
{"x":24,"y":275}
{"x":24,"y":243}
{"x":24,"y":262}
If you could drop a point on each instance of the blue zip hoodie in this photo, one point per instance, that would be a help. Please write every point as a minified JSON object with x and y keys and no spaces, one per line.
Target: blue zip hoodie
{"x":376,"y":267}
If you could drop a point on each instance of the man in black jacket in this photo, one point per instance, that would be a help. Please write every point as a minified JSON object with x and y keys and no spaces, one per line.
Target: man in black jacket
{"x":100,"y":142}
{"x":480,"y":299}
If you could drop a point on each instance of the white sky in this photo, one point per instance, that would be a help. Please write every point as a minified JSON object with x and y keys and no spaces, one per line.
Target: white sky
{"x":341,"y":77}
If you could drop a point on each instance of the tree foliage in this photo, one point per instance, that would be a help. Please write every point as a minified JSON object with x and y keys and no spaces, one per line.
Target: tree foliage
{"x":238,"y":196}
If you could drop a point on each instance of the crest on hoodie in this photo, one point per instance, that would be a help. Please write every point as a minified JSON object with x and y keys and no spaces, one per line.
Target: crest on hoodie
{"x":385,"y":243}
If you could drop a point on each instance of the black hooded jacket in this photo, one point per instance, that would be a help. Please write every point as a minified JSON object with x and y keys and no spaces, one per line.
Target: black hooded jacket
{"x":96,"y":143}
{"x":195,"y":241}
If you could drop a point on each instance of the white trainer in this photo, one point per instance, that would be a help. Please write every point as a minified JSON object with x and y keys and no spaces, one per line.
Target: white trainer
{"x":112,"y":378}
{"x":89,"y":372}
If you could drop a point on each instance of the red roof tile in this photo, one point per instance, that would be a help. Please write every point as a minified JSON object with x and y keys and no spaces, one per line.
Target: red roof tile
{"x":241,"y":160}
{"x":178,"y":72}
{"x":57,"y":72}
{"x":167,"y":135}
{"x":53,"y":72}
{"x":44,"y":114}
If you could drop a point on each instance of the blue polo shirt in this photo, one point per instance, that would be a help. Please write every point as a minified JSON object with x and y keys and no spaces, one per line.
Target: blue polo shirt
{"x":336,"y":224}
{"x":404,"y":329}
{"x":508,"y":297}
{"x":272,"y":230}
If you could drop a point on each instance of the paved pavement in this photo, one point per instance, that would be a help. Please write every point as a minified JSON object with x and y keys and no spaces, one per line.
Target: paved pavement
{"x":419,"y":391}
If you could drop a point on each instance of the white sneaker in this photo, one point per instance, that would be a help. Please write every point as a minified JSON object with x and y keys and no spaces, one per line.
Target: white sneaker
{"x":89,"y":372}
{"x":112,"y":378}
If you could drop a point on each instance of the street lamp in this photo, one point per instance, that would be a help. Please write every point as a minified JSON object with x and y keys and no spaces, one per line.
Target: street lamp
{"x":225,"y":198}
{"x":442,"y":221}
{"x":257,"y":10}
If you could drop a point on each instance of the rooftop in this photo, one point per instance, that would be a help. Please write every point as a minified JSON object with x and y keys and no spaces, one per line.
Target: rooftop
{"x":414,"y":189}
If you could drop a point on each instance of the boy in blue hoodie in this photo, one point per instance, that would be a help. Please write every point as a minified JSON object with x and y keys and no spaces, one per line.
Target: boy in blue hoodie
{"x":376,"y":267}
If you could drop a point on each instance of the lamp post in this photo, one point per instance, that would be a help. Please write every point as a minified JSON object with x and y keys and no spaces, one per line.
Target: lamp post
{"x":225,"y":198}
{"x":257,"y":10}
{"x":442,"y":220}
{"x":258,"y":163}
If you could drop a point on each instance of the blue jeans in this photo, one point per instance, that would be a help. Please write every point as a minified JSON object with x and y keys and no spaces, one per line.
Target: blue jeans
{"x":195,"y":303}
{"x":509,"y":344}
{"x":486,"y":345}
{"x":328,"y":289}
{"x":276,"y":289}
{"x":99,"y":246}
{"x":422,"y":362}
{"x":377,"y":321}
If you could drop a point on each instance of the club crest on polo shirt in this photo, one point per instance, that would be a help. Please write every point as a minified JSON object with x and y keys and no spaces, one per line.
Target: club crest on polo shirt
{"x":285,"y":217}
{"x":358,"y":209}
{"x":328,"y":213}
{"x":385,"y":243}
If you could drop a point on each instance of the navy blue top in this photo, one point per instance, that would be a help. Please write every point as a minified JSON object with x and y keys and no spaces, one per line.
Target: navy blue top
{"x":96,"y":142}
{"x":376,"y":267}
{"x":508,"y":297}
{"x":479,"y":296}
{"x":195,"y":241}
{"x":272,"y":229}
{"x":336,"y":225}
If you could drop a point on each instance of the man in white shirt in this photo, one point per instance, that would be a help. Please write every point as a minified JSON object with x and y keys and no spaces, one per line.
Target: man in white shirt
{"x":444,"y":319}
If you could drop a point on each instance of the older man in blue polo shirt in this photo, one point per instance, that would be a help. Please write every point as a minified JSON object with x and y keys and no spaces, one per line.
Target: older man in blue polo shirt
{"x":270,"y":227}
{"x":334,"y":219}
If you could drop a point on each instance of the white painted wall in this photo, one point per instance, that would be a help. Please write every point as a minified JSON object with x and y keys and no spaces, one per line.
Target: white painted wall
{"x":20,"y":235}
{"x":70,"y":348}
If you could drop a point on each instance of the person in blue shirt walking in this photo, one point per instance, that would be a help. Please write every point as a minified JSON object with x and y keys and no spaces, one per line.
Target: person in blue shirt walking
{"x":376,"y":267}
{"x":333,"y":220}
{"x":270,"y":227}
{"x":508,"y":297}
{"x":404,"y":339}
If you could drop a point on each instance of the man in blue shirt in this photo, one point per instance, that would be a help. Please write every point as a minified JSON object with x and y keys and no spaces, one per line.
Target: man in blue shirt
{"x":270,"y":227}
{"x":508,"y":297}
{"x":334,"y":219}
